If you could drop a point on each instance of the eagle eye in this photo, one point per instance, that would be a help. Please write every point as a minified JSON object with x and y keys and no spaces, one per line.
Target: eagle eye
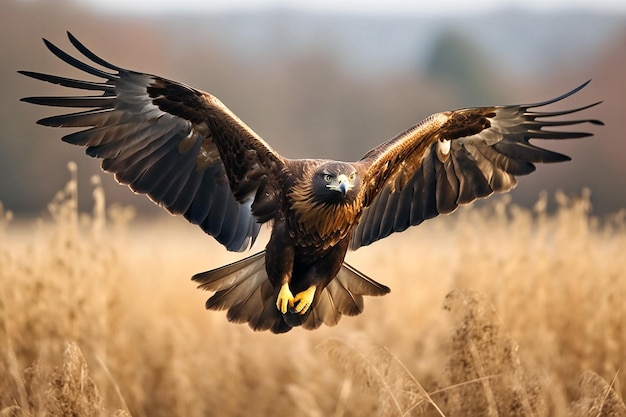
{"x":328,"y":177}
{"x":352,"y":176}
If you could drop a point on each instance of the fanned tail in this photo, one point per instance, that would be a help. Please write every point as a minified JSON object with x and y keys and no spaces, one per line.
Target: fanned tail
{"x":342,"y":296}
{"x":244,"y":290}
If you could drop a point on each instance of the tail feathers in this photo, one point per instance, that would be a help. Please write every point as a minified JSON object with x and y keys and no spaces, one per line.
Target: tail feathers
{"x":349,"y":287}
{"x":343,"y":295}
{"x":244,"y":289}
{"x":232,"y":274}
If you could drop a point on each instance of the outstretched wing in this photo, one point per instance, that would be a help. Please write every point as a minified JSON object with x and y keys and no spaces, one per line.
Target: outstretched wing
{"x":182,"y":147}
{"x":453,"y":158}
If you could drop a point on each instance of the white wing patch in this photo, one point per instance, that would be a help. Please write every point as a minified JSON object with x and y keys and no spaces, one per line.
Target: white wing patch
{"x":443,"y":150}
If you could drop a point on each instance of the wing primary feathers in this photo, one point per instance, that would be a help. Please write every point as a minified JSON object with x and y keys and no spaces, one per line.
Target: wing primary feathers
{"x":537,"y":114}
{"x":70,"y":82}
{"x":552,"y":123}
{"x":78,"y":64}
{"x":551,"y":134}
{"x":85,"y":118}
{"x":559,"y":98}
{"x":93,"y":57}
{"x":73,"y":101}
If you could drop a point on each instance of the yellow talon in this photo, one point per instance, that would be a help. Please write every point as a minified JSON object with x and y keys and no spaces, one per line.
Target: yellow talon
{"x":285,"y":298}
{"x":303,"y":300}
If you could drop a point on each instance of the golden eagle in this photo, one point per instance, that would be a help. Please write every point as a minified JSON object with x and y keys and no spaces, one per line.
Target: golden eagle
{"x":190,"y":154}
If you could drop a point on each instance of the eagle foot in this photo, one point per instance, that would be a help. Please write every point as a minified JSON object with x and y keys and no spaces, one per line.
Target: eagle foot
{"x":303,"y":300}
{"x":285,"y":298}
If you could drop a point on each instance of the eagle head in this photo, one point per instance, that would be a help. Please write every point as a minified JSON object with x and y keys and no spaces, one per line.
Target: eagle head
{"x":336,"y":183}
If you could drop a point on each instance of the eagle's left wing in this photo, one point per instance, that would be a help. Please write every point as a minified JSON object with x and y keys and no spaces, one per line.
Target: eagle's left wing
{"x":453,"y":158}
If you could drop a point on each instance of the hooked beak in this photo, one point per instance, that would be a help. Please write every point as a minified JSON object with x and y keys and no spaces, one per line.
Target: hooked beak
{"x":343,"y":187}
{"x":342,"y":184}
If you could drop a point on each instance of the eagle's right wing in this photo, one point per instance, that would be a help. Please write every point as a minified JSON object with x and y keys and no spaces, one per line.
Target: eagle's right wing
{"x":182,"y":147}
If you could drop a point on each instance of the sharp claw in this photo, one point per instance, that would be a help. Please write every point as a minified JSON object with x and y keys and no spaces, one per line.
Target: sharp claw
{"x":285,"y":299}
{"x":302,"y":307}
{"x":303,"y":300}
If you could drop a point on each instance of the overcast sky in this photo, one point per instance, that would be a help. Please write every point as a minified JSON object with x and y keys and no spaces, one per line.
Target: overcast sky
{"x":363,"y":6}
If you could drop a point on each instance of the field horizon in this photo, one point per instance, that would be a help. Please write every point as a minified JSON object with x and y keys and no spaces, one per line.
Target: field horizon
{"x":495,"y":310}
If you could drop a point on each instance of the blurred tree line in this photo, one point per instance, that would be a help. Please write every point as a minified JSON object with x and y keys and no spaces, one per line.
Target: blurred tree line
{"x":299,"y":96}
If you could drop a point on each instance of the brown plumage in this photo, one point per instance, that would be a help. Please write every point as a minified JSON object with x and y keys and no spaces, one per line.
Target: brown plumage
{"x":190,"y":154}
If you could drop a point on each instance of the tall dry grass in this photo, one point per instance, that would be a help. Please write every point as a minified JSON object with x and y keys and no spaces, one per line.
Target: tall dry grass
{"x":496,"y":311}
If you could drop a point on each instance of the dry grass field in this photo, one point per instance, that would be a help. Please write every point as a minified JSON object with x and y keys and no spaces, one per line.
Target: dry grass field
{"x":494,"y":311}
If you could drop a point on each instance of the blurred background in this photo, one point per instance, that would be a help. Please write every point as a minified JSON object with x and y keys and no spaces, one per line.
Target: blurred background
{"x":324,"y":79}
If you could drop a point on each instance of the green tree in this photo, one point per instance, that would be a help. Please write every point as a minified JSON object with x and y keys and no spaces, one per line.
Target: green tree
{"x":460,"y":64}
